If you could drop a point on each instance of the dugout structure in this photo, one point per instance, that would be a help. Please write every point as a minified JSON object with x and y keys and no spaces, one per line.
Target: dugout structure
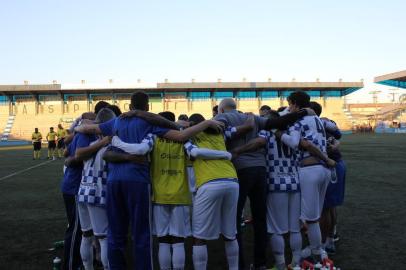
{"x":28,"y":106}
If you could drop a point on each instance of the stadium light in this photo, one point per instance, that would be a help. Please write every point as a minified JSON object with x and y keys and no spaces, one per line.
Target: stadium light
{"x":244,"y":79}
{"x":138,"y":80}
{"x":269,"y":79}
{"x":362,"y":80}
{"x":110,"y":80}
{"x":193,"y":80}
{"x":317,"y":79}
{"x":26,"y":82}
{"x":219,"y":80}
{"x":82,"y":81}
{"x":55,"y":82}
{"x":293,"y":79}
{"x":340,"y":80}
{"x":166,"y":81}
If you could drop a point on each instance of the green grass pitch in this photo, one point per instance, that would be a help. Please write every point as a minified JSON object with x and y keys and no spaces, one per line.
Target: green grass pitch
{"x":372,"y":221}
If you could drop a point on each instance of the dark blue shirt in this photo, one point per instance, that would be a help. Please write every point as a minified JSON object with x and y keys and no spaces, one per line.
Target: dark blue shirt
{"x":129,"y":130}
{"x":73,"y":174}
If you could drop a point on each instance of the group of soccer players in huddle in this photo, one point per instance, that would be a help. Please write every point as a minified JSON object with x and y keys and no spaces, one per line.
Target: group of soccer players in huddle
{"x":191,"y":178}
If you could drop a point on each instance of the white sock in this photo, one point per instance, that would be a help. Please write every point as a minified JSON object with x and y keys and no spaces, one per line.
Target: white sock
{"x":200,"y":257}
{"x":295,"y":241}
{"x":278,"y":249}
{"x":178,"y":256}
{"x":164,"y":256}
{"x":232,"y":254}
{"x":86,"y":252}
{"x":314,"y":234}
{"x":103,"y":253}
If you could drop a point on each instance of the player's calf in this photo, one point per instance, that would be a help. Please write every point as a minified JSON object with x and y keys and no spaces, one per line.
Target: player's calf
{"x":86,"y":249}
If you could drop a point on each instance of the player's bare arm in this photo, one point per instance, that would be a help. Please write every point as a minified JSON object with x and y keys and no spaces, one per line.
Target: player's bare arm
{"x":288,"y":119}
{"x":85,"y":153}
{"x":88,"y":129}
{"x":251,"y":146}
{"x":152,"y":118}
{"x":315,"y":151}
{"x":243,"y":129}
{"x":69,"y":138}
{"x":116,"y":157}
{"x":184,"y":135}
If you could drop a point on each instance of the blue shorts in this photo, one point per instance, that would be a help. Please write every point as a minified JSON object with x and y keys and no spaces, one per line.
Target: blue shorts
{"x":335,"y":191}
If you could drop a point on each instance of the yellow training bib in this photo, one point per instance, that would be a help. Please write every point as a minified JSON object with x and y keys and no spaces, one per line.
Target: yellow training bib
{"x":61,"y":133}
{"x":208,"y":170}
{"x":168,"y":173}
{"x":36,"y":137}
{"x":51,"y":136}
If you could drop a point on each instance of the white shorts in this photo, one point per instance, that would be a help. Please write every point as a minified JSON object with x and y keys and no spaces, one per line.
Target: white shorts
{"x":191,"y":179}
{"x":173,"y":220}
{"x":215,"y":210}
{"x":93,"y":218}
{"x":283,"y":212}
{"x":313,"y":185}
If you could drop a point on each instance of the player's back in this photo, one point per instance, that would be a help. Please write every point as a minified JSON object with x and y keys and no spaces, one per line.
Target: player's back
{"x":311,"y":128}
{"x":168,"y":173}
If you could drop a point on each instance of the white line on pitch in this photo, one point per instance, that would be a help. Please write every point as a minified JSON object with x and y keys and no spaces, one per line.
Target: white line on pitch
{"x":29,"y":168}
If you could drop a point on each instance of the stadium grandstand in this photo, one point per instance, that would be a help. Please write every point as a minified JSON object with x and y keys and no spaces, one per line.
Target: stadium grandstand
{"x":24,"y":107}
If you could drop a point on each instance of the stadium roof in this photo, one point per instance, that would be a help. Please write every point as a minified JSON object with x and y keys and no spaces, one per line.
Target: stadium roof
{"x":345,"y":88}
{"x":397,"y":79}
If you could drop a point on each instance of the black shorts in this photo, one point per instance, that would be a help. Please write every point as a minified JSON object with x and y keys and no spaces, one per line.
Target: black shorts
{"x":51,"y":145}
{"x":61,"y":143}
{"x":37,"y":146}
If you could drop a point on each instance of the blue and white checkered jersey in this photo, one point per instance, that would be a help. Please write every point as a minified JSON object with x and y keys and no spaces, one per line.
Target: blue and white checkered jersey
{"x":280,"y":164}
{"x":92,"y":189}
{"x":310,"y":128}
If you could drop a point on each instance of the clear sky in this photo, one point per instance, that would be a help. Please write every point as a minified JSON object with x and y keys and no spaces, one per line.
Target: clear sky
{"x":152,"y":40}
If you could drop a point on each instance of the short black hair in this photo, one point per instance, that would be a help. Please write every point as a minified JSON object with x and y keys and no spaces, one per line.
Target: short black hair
{"x":216,"y":108}
{"x":168,"y":115}
{"x":281,"y":109}
{"x":316,"y":107}
{"x":197,"y":118}
{"x":51,"y":128}
{"x":100,"y":105}
{"x":139,"y":101}
{"x":265,"y":107}
{"x":115,"y":109}
{"x":104,"y":115}
{"x":300,"y":99}
{"x":183,"y":117}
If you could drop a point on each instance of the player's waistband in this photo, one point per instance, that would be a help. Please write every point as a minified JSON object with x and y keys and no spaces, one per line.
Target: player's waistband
{"x":310,"y":161}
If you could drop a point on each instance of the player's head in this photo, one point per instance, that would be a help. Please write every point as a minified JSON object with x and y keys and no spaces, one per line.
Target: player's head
{"x":100,"y":105}
{"x":316,"y":107}
{"x":168,"y":115}
{"x":51,"y":129}
{"x":197,"y":118}
{"x":60,"y":126}
{"x":264,"y":110}
{"x":227,"y":105}
{"x":183,"y":117}
{"x":298,"y":100}
{"x":139,"y":101}
{"x":36,"y":130}
{"x":104,"y":115}
{"x":115,"y":109}
{"x":215,"y":110}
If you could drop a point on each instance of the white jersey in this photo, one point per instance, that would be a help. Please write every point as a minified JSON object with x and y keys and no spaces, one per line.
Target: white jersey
{"x":310,"y":128}
{"x":92,"y":189}
{"x":281,"y":168}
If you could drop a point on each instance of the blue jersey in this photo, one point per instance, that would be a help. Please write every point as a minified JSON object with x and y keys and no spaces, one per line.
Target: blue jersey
{"x":73,"y":174}
{"x":280,"y":164}
{"x":129,"y":130}
{"x":312,"y":129}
